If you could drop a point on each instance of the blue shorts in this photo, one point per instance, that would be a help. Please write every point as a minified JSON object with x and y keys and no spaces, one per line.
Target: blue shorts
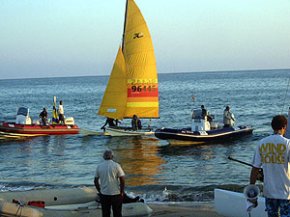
{"x":275,"y":206}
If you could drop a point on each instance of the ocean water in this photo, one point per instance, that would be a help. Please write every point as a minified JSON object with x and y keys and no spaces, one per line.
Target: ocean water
{"x":190,"y":173}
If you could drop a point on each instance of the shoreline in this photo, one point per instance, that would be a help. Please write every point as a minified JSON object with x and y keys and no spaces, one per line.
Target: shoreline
{"x":196,"y":209}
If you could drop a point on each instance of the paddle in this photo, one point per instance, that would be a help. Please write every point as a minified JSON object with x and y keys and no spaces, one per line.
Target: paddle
{"x":242,"y":162}
{"x":260,"y":175}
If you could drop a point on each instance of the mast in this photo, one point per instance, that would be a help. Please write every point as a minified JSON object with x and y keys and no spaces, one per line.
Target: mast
{"x":125,"y":21}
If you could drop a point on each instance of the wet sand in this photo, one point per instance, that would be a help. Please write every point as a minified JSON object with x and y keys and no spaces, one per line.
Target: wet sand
{"x":184,"y":210}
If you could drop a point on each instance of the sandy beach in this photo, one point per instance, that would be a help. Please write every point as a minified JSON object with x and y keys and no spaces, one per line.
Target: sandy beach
{"x":184,"y":210}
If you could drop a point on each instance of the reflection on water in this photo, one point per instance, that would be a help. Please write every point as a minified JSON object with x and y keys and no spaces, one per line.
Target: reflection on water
{"x":200,"y":152}
{"x":59,"y":144}
{"x":44,"y":140}
{"x":139,"y":159}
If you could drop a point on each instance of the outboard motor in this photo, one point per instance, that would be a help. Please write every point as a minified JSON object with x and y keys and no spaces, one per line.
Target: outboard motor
{"x":69,"y":121}
{"x":22,"y":116}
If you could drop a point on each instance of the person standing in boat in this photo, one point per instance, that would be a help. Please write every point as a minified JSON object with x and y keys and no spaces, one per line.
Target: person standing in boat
{"x":54,"y":119}
{"x":203,"y":112}
{"x":61,"y":112}
{"x":273,"y":155}
{"x":43,"y":116}
{"x":202,"y":116}
{"x":229,"y":118}
{"x":136,"y":123}
{"x":110,"y":183}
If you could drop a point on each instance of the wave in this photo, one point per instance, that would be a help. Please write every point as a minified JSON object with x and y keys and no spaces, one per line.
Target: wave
{"x":150,"y":193}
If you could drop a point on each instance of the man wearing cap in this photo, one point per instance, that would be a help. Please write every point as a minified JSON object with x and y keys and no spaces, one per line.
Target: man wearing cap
{"x":110,"y":183}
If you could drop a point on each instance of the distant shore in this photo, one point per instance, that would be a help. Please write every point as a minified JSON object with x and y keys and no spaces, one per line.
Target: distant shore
{"x":198,"y":209}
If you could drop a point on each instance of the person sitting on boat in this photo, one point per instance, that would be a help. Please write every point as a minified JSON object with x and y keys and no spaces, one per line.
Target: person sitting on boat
{"x":136,"y":123}
{"x":61,"y":112}
{"x":229,"y":118}
{"x":43,"y":117}
{"x":109,"y":121}
{"x":54,"y":116}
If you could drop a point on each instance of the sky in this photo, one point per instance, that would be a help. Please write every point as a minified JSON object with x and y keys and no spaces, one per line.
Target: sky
{"x":64,"y":38}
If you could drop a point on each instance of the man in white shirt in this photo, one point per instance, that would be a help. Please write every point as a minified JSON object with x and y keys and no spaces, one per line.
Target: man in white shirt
{"x":110,"y":183}
{"x":229,"y":118}
{"x":61,"y":112}
{"x":273,"y":154}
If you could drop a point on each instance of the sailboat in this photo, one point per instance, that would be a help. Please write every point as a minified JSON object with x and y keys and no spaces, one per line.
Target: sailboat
{"x":132,"y":88}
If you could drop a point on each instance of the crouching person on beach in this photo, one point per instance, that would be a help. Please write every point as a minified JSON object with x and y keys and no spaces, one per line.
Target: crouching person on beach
{"x":110,"y":183}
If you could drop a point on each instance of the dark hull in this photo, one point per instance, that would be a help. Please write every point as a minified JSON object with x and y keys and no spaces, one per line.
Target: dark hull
{"x":187,"y":136}
{"x":38,"y":129}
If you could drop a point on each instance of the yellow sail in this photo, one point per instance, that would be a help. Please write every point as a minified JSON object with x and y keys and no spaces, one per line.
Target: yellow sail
{"x":114,"y":101}
{"x":133,"y":84}
{"x":54,"y":118}
{"x":142,"y":80}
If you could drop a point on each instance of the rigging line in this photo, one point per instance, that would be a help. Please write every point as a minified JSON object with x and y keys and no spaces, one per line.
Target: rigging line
{"x":285,"y":95}
{"x":124,"y":29}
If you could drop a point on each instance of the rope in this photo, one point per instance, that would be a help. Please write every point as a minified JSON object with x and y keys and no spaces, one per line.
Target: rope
{"x":285,"y":95}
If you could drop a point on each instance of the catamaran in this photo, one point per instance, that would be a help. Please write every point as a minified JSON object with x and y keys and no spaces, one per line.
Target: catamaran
{"x":132,"y":88}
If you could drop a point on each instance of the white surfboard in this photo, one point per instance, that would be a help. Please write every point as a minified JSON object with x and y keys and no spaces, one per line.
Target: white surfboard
{"x":234,"y":204}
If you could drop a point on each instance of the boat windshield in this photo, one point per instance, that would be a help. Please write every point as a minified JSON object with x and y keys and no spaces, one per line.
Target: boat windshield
{"x":22,"y":111}
{"x":197,"y":114}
